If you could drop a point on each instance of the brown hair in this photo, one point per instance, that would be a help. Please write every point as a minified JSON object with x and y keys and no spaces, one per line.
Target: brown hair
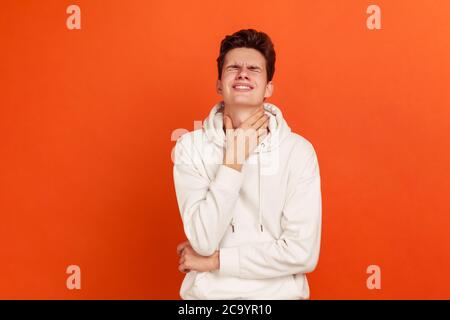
{"x":249,"y":38}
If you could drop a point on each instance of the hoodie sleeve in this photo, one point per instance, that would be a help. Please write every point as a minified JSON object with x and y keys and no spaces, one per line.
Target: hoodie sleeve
{"x":206,"y":206}
{"x":297,"y":249}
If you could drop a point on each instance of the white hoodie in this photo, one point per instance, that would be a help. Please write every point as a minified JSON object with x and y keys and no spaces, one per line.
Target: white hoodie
{"x":265,"y":220}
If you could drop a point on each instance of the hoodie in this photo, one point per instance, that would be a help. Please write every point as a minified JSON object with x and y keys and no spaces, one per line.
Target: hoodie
{"x":264,"y":220}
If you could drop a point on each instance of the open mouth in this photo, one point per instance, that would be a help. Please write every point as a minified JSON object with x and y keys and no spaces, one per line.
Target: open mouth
{"x":242,"y":87}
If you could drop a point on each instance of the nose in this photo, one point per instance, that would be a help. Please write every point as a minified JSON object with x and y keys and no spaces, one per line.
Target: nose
{"x":242,"y":74}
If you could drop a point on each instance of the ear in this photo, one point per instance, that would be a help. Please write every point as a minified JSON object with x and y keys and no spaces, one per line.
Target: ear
{"x":269,"y":90}
{"x":219,"y":86}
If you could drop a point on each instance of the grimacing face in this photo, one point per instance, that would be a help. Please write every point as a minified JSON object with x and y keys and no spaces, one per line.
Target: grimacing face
{"x":244,"y":78}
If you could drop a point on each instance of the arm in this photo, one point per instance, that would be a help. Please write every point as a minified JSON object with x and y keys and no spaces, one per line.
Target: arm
{"x":297,"y":249}
{"x":206,"y":206}
{"x":192,"y":261}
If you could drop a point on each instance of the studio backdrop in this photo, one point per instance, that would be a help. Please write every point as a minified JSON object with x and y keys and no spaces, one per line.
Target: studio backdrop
{"x":95,"y":93}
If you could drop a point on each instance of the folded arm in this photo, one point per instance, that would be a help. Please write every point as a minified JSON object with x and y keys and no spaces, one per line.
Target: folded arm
{"x":297,"y":249}
{"x":206,"y":206}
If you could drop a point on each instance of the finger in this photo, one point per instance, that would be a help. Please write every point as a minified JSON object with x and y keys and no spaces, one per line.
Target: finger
{"x":252,"y":141}
{"x":228,"y":122}
{"x":253,"y":118}
{"x":181,"y":246}
{"x":260,"y":114}
{"x":262,"y":137}
{"x":256,"y":132}
{"x":188,"y":249}
{"x":261,"y":122}
{"x":181,"y":261}
{"x":182,"y":268}
{"x":262,"y":131}
{"x":266,"y":124}
{"x":257,"y":110}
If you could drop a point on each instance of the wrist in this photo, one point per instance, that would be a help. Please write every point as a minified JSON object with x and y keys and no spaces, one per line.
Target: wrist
{"x":231,"y":162}
{"x":237,"y":167}
{"x":215,"y":260}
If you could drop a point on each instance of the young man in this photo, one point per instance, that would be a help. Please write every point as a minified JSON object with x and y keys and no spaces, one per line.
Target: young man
{"x":248,"y":188}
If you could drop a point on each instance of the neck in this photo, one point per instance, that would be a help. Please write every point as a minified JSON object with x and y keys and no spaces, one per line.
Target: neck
{"x":239,"y":113}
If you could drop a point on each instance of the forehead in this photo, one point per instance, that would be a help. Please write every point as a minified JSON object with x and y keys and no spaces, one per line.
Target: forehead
{"x":245,"y":56}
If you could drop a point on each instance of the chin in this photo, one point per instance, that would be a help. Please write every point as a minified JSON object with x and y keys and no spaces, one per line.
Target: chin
{"x":246,"y":102}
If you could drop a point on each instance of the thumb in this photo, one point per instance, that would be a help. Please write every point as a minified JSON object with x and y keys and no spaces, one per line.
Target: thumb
{"x":228,"y":122}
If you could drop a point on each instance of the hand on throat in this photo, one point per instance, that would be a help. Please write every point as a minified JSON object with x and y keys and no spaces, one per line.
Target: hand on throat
{"x":239,"y":114}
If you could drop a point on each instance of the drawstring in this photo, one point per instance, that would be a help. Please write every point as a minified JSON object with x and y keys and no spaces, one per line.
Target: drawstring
{"x":259,"y":195}
{"x":260,"y":188}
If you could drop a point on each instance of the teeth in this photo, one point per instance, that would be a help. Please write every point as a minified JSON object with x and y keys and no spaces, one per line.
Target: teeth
{"x":242,"y":87}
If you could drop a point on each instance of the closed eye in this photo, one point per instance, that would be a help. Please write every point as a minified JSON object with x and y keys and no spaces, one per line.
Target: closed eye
{"x":251,"y":68}
{"x":232,"y":67}
{"x":254,"y":68}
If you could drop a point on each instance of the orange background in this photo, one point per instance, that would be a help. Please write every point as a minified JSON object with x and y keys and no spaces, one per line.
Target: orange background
{"x":86,"y":118}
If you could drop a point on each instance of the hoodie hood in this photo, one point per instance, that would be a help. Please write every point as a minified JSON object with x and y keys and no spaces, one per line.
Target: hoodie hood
{"x":278,"y":127}
{"x":278,"y":131}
